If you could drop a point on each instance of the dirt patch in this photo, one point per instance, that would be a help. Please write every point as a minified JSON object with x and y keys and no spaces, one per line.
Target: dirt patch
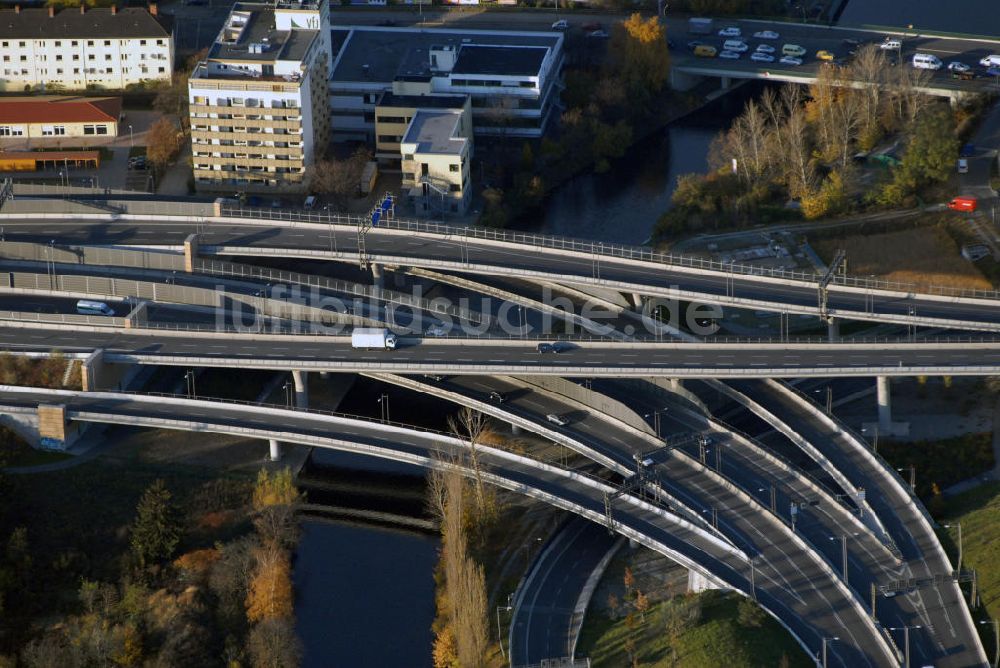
{"x":922,"y":256}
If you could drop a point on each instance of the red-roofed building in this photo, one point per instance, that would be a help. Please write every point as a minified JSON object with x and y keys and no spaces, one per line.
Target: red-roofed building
{"x":59,"y":116}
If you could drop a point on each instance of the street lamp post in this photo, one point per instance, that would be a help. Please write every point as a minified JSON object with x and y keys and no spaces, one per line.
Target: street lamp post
{"x":774,"y":497}
{"x":913,"y":477}
{"x":957,"y":525}
{"x":906,"y":642}
{"x":505,"y":608}
{"x":189,"y":378}
{"x":384,"y":405}
{"x":996,"y":634}
{"x":826,"y":641}
{"x":864,"y":430}
{"x":656,"y":419}
{"x":131,"y":138}
{"x":288,"y":393}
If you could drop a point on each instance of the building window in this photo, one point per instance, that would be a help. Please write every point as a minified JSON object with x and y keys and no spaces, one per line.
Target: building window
{"x":90,"y":42}
{"x":453,"y":168}
{"x":24,"y":59}
{"x":74,"y":43}
{"x":107,"y":56}
{"x":58,"y":43}
{"x":89,"y":130}
{"x":11,"y":130}
{"x":142,"y":42}
{"x":163,"y":69}
{"x":391,"y":119}
{"x":107,"y":42}
{"x":159,"y":42}
{"x":58,"y":57}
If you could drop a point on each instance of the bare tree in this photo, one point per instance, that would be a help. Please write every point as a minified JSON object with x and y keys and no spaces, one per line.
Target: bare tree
{"x":799,"y":176}
{"x":471,"y":426}
{"x":869,"y":70}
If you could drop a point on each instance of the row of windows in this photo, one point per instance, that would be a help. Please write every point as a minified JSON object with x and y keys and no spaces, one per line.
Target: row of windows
{"x":76,"y":70}
{"x":95,"y":129}
{"x":11,"y":130}
{"x":90,"y":57}
{"x":477,"y":83}
{"x":245,"y":102}
{"x":90,"y":42}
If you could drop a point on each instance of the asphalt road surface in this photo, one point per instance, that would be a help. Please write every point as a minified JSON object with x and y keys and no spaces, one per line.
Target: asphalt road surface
{"x":459,"y":252}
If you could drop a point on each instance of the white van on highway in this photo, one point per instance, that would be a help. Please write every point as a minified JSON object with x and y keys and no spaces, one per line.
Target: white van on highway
{"x":926,"y":61}
{"x":88,"y":307}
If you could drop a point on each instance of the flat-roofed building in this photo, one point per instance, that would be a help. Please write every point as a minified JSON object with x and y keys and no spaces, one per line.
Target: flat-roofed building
{"x":54,"y":116}
{"x":259,"y":101}
{"x":511,"y":78}
{"x":393,"y":114}
{"x":435,"y":151}
{"x":83,"y":48}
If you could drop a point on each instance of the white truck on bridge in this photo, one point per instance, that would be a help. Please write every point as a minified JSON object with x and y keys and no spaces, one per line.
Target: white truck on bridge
{"x":373,"y":337}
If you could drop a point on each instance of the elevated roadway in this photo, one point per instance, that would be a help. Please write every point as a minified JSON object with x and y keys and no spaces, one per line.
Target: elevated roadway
{"x":174,"y":347}
{"x":809,"y":607}
{"x":822,"y":518}
{"x":630,"y":270}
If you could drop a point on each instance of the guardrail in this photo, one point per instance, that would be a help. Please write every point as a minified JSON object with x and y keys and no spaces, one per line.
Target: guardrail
{"x":174,"y":262}
{"x":594,"y":248}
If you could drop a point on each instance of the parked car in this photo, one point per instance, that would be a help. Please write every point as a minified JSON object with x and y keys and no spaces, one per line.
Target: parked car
{"x":956,"y":66}
{"x":893,"y":44}
{"x":137,"y":162}
{"x":561,"y":24}
{"x":823,"y":54}
{"x":729,"y":55}
{"x":731,"y":31}
{"x":544,"y":348}
{"x":790,"y":60}
{"x":737,"y":45}
{"x":765,"y":48}
{"x":793,"y":50}
{"x":766,"y":34}
{"x":761,"y":57}
{"x":598,"y":33}
{"x":498,"y":397}
{"x":694,"y":44}
{"x":963,"y":165}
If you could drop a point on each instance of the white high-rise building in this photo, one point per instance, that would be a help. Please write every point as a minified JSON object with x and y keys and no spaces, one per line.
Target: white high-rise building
{"x":76,"y":49}
{"x":259,"y":101}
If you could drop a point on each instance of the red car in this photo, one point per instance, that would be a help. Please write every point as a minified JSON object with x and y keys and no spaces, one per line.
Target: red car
{"x":963,"y":204}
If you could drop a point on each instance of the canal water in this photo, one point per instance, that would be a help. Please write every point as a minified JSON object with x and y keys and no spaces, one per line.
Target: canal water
{"x":622,"y":205}
{"x":365,"y":594}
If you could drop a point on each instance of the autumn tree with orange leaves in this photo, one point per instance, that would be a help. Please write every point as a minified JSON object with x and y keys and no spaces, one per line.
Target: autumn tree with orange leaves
{"x":639,"y":57}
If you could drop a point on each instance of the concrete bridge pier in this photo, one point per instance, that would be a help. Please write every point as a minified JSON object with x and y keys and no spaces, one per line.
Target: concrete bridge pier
{"x":833,"y":330}
{"x":97,"y":375}
{"x":884,"y":404}
{"x":727,"y":83}
{"x":190,"y":252}
{"x":515,"y":430}
{"x":378,"y":276}
{"x":275,"y":450}
{"x":301,"y":379}
{"x":637,"y":301}
{"x":698,"y":583}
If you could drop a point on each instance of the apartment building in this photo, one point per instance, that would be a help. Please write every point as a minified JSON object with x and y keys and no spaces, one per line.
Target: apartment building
{"x":259,"y":101}
{"x":435,"y":161}
{"x":76,"y":49}
{"x":511,"y":78}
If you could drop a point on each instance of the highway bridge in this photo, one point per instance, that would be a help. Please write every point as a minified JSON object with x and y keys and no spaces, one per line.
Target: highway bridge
{"x":803,"y":589}
{"x":686,"y":69}
{"x":805,"y":595}
{"x":626,"y":270}
{"x":172,"y":347}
